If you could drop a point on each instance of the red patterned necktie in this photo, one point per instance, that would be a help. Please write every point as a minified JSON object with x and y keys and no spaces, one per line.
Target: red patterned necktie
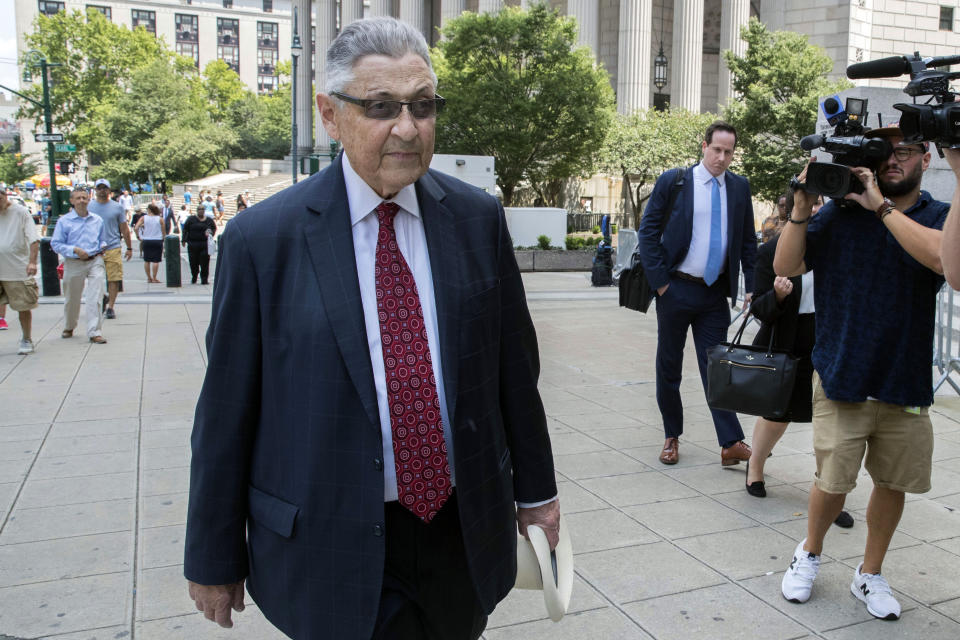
{"x":419,"y":450}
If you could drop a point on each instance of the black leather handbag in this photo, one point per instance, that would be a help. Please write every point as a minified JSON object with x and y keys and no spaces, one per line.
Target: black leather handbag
{"x":750,"y":379}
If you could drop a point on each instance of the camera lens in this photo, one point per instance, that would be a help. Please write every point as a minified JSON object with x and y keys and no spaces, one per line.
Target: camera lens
{"x":829,"y":179}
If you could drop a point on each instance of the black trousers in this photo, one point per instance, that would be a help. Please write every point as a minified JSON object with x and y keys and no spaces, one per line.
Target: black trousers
{"x":427,"y":593}
{"x":199,"y":261}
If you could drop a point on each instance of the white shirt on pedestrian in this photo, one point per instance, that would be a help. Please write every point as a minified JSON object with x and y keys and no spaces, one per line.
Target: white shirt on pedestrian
{"x":17,"y":233}
{"x":695,"y":261}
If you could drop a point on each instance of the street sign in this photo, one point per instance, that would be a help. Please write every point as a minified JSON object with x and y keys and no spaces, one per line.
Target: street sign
{"x":63,"y":148}
{"x":48,"y":137}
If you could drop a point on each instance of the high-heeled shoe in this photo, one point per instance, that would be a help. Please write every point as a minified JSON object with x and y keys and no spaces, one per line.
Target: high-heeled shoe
{"x":756,"y":489}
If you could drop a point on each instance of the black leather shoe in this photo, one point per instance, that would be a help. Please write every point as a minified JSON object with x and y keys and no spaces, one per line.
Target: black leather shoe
{"x":756,"y":489}
{"x":844,"y":520}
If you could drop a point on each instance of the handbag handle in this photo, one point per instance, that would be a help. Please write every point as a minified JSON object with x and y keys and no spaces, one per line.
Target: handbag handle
{"x":739,"y":335}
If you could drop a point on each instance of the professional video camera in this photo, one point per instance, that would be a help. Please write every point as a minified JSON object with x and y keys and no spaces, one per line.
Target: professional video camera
{"x":850,"y":145}
{"x":938,"y":122}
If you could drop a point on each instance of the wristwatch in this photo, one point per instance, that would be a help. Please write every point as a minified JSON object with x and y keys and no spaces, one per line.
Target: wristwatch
{"x":885,"y":208}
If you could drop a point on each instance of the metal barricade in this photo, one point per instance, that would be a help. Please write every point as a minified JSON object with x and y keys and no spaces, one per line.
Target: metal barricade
{"x":946,"y":348}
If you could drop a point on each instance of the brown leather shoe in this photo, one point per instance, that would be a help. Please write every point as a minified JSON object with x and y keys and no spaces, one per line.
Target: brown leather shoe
{"x":98,"y":340}
{"x":671,"y":451}
{"x":67,"y":333}
{"x":734,"y":454}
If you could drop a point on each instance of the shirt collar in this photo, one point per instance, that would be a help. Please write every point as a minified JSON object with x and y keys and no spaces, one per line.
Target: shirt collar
{"x":703,"y":175}
{"x":362,"y":199}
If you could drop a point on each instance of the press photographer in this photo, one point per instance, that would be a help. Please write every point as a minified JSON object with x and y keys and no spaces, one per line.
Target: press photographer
{"x":876,"y":276}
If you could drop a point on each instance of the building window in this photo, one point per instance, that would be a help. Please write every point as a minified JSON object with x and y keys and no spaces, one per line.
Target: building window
{"x":187,"y":29}
{"x":229,"y":54}
{"x":661,"y":101}
{"x":313,"y":49}
{"x":266,"y":61}
{"x":145,"y":19}
{"x":106,"y":11}
{"x":946,"y":18}
{"x":228,"y":31}
{"x":267,"y":33}
{"x":267,"y":84}
{"x":189,"y":50}
{"x":50,"y":8}
{"x":228,"y":4}
{"x":268,"y":6}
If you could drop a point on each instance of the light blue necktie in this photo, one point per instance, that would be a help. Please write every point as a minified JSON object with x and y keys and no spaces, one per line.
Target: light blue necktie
{"x":715,"y":256}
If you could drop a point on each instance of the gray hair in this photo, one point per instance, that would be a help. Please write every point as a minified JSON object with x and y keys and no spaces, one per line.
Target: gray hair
{"x":372,"y":37}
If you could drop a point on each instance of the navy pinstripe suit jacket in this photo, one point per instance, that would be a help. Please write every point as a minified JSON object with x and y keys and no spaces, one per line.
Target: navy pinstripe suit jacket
{"x":284,"y":487}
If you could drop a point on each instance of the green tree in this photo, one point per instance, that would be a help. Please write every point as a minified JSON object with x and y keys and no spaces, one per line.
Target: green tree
{"x":223,"y":87}
{"x":160,"y":129}
{"x":262,"y":122}
{"x":642,"y":145}
{"x":97,"y":57}
{"x":778,"y":81}
{"x":14,"y":167}
{"x":519,"y":90}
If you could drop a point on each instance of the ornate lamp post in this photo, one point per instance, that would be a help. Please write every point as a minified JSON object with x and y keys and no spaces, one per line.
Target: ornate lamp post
{"x":295,"y":49}
{"x":660,"y":69}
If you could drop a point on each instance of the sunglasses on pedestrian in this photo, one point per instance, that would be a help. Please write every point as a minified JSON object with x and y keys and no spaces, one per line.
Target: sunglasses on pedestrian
{"x":905,"y":153}
{"x":390,"y":109}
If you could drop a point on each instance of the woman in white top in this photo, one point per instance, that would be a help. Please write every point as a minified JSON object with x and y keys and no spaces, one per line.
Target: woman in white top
{"x":150,"y":232}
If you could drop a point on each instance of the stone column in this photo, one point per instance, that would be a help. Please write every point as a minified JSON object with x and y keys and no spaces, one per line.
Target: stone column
{"x":381,"y":8}
{"x":489,"y":6}
{"x":325,"y":19}
{"x":633,"y":66}
{"x":450,"y":9}
{"x":687,"y":60}
{"x":587,"y":13}
{"x":304,"y":79}
{"x":414,"y":12}
{"x":350,"y":10}
{"x":734,"y":14}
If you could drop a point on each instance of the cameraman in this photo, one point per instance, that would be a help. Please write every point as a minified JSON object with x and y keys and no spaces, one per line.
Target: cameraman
{"x":876,"y":272}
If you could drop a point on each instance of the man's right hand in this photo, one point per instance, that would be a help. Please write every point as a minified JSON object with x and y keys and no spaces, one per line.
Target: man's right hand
{"x":216,"y":600}
{"x":80,"y":253}
{"x":662,"y":290}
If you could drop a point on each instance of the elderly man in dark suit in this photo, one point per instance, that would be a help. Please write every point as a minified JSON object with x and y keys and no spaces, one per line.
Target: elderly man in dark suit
{"x":693,"y":263}
{"x":369,"y":432}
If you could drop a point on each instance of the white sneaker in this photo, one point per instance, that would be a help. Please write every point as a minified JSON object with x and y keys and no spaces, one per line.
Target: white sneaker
{"x":873,"y":590}
{"x":26,"y":346}
{"x":798,"y":580}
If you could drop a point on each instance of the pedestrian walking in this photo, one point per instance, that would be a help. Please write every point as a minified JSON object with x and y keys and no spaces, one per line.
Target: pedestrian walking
{"x":115,"y":230}
{"x":80,"y":238}
{"x":187,"y":197}
{"x":196,"y":230}
{"x":220,"y":205}
{"x":243,"y":200}
{"x":150,"y":231}
{"x":19,"y":245}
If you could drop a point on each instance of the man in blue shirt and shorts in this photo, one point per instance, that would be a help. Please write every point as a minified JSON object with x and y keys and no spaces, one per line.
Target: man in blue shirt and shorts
{"x":877,"y":272}
{"x":115,"y":229}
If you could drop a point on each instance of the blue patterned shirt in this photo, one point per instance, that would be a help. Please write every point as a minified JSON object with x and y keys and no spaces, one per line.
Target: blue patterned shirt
{"x":72,"y":231}
{"x":875,"y":306}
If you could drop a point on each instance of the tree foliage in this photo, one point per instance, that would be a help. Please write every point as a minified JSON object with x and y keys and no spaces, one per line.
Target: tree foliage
{"x":778,"y":82}
{"x":96,"y":57}
{"x":262,"y":123}
{"x":518,"y":89}
{"x":14,"y":167}
{"x":642,"y":145}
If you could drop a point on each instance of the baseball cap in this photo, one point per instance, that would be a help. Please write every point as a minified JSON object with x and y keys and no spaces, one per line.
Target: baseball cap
{"x":894,"y":131}
{"x":101,"y":181}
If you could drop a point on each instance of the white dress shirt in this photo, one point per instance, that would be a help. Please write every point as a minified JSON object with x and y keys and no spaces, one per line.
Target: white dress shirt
{"x":412,"y":242}
{"x":806,"y":293}
{"x":696,"y":259}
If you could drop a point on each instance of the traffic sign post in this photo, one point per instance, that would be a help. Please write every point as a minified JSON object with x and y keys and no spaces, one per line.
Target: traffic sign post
{"x":48,"y":137}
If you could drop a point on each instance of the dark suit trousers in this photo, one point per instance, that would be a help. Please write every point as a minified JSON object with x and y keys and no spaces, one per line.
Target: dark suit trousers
{"x":427,"y":592}
{"x":685,"y":305}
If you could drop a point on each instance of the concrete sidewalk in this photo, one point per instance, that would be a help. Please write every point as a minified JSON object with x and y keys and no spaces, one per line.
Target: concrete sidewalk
{"x":94,"y":454}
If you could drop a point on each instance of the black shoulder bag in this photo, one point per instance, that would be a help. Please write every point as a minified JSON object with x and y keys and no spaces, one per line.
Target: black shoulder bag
{"x":634,"y":289}
{"x":750,"y":379}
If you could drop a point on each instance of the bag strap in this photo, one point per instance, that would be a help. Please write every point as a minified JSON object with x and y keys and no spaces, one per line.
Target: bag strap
{"x":743,"y":325}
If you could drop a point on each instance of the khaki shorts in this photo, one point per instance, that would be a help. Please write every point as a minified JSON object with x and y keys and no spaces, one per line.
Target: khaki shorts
{"x":898,"y":444}
{"x":21,"y":295}
{"x":113,"y":262}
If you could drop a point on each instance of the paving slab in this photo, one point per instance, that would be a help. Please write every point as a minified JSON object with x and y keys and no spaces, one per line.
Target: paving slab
{"x":637,"y":488}
{"x":48,"y":523}
{"x":53,"y":560}
{"x":608,"y":624}
{"x":922,"y":623}
{"x":66,"y":491}
{"x":605,"y":529}
{"x":688,"y":517}
{"x":525,"y":605}
{"x":730,"y":554}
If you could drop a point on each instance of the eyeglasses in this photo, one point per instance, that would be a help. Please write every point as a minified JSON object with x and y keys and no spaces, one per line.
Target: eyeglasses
{"x":905,"y":153}
{"x":390,"y":109}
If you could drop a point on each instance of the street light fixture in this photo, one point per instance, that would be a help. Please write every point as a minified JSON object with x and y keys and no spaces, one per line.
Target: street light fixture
{"x":660,"y":69}
{"x":295,"y":49}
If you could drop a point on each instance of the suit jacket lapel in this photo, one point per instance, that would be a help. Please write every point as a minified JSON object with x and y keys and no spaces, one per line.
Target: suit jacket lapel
{"x":439,"y":226}
{"x":329,"y":240}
